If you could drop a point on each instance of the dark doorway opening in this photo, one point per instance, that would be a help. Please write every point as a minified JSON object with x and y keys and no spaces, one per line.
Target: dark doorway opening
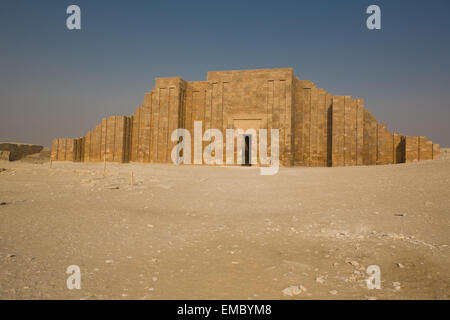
{"x":247,"y":150}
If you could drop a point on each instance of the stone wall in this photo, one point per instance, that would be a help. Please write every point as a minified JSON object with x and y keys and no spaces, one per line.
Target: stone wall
{"x":316,"y":128}
{"x":338,"y":131}
{"x":109,"y":140}
{"x":312,"y":124}
{"x":15,"y":151}
{"x":419,"y":148}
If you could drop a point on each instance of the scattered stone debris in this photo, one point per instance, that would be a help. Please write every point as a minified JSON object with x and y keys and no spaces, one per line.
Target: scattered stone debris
{"x":400,"y":265}
{"x":353,"y":263}
{"x":320,"y":280}
{"x":109,"y":261}
{"x":10,"y":255}
{"x":396,"y":286}
{"x":3,"y":203}
{"x":294,"y":290}
{"x":333,"y":292}
{"x":400,"y":214}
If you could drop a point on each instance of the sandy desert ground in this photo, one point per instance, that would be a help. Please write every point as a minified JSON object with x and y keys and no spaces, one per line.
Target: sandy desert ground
{"x":195,"y":232}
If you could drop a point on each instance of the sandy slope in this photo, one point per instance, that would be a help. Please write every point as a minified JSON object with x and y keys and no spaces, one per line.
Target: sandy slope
{"x":209,"y":232}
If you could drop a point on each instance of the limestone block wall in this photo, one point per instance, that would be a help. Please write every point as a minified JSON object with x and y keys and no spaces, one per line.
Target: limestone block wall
{"x":419,"y":149}
{"x":385,"y":149}
{"x":370,"y":139}
{"x":316,"y":128}
{"x":338,"y":131}
{"x":425,"y":149}
{"x":78,"y":152}
{"x":198,"y":107}
{"x":329,"y":132}
{"x":436,"y":151}
{"x":243,"y":99}
{"x":412,"y":149}
{"x":312,"y":133}
{"x":109,"y":139}
{"x":59,"y":149}
{"x":399,"y":148}
{"x":256,"y":99}
{"x":154,"y":121}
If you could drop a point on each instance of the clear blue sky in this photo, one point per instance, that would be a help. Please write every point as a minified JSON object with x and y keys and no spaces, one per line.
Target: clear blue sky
{"x":60,"y":83}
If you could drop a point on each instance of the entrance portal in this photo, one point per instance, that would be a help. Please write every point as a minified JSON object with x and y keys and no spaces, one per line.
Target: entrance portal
{"x":247,"y":150}
{"x":248,"y":129}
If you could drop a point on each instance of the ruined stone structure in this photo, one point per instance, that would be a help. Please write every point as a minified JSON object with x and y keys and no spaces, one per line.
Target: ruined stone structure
{"x":14,"y":151}
{"x":317,"y":129}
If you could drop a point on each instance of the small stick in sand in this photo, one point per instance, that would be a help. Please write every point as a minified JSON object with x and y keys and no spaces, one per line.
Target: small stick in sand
{"x":131,"y":178}
{"x":51,"y":163}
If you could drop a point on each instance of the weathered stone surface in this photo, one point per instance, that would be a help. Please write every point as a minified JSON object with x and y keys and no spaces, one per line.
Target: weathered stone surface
{"x":338,"y":129}
{"x":359,"y":132}
{"x":370,"y":139}
{"x":436,"y":151}
{"x":6,"y":155}
{"x":15,"y":151}
{"x":399,"y":148}
{"x":425,"y":149}
{"x":315,"y":127}
{"x":412,"y":149}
